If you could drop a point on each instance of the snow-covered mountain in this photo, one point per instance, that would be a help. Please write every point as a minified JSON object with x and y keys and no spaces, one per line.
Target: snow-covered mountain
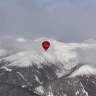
{"x":63,"y":55}
{"x":27,"y":65}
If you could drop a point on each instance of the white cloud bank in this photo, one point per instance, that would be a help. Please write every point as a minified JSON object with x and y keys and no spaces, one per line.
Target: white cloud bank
{"x":64,"y":52}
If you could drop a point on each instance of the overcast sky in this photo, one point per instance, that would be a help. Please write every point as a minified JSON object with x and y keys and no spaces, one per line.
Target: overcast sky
{"x":65,"y":20}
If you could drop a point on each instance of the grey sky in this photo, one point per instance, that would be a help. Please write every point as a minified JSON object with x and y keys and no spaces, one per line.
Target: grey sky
{"x":65,"y":21}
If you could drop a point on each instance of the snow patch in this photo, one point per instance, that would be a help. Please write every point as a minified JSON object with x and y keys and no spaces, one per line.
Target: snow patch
{"x":6,"y":68}
{"x":83,"y":90}
{"x":37,"y":79}
{"x":21,"y":76}
{"x":49,"y":94}
{"x":77,"y":93}
{"x":24,"y":86}
{"x":39,"y":90}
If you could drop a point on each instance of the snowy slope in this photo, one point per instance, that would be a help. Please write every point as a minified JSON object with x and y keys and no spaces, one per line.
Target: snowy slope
{"x":84,"y":70}
{"x":64,"y":55}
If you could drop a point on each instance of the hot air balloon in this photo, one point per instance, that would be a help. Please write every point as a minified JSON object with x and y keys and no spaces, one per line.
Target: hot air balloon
{"x":45,"y":45}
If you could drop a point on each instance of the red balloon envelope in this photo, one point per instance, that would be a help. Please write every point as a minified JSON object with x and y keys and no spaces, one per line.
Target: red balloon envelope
{"x":45,"y":45}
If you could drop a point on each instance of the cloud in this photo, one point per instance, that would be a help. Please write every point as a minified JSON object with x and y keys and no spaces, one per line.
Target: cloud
{"x":87,"y":55}
{"x":21,"y":39}
{"x":64,"y":20}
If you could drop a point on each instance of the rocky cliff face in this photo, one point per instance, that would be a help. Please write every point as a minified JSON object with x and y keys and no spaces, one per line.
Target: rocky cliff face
{"x":72,"y":85}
